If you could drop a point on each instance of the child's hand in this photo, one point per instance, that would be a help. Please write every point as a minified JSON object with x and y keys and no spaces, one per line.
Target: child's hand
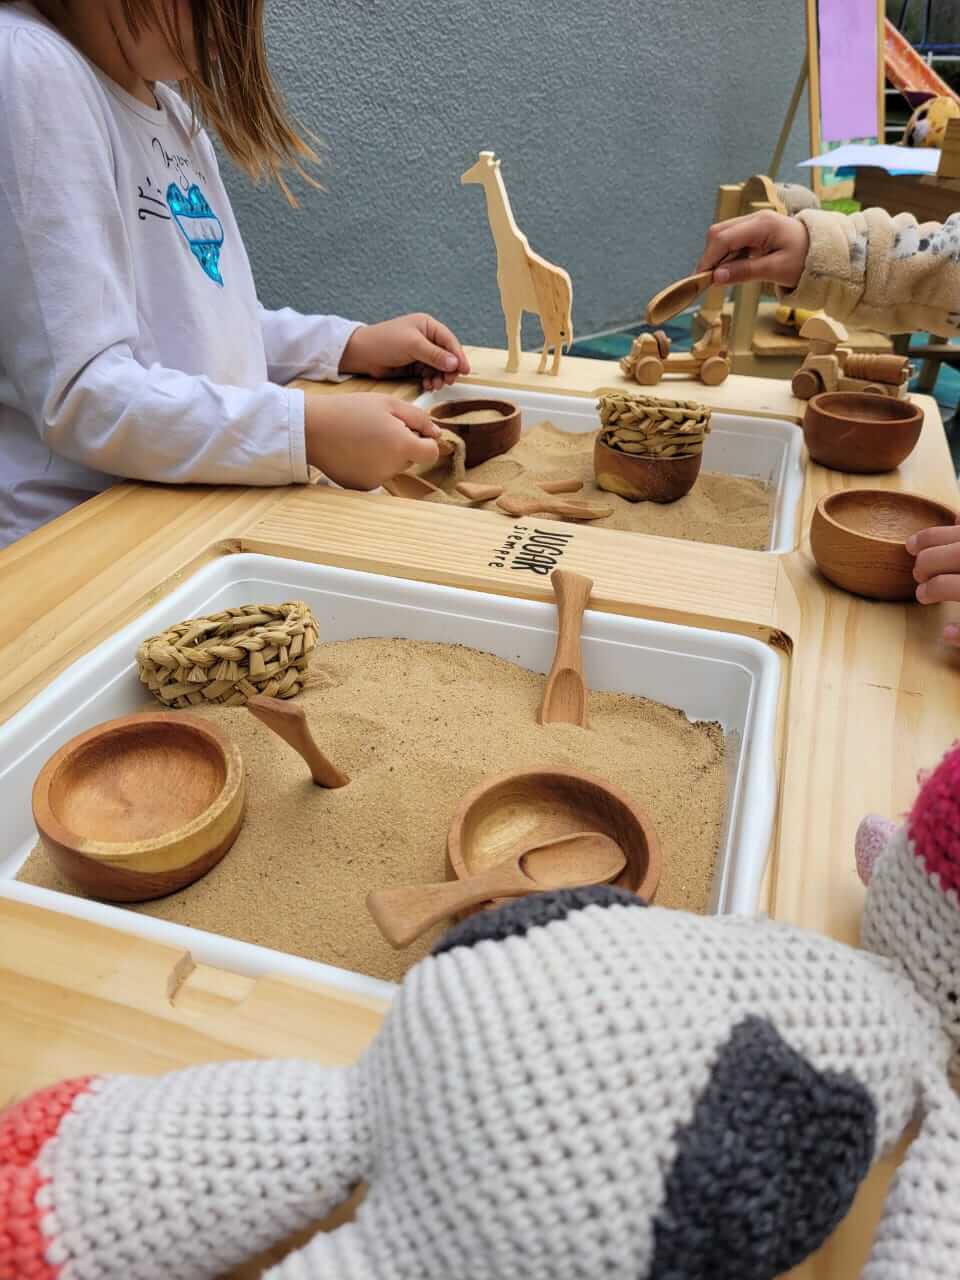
{"x":937,"y":569}
{"x":361,"y":440}
{"x":411,"y":346}
{"x":776,"y":248}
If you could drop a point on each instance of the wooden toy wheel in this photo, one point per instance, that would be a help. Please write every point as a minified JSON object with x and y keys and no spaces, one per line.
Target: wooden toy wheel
{"x":806,"y":384}
{"x":714,"y":371}
{"x":649,"y":371}
{"x":663,"y":344}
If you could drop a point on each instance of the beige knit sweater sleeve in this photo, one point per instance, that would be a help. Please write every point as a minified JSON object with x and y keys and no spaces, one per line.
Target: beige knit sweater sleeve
{"x":877,"y":272}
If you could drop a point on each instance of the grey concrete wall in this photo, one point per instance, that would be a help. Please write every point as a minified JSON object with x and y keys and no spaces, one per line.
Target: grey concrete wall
{"x":615,"y":121}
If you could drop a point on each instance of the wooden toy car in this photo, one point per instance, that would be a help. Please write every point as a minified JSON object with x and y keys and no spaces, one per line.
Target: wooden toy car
{"x":832,"y":366}
{"x":650,"y":359}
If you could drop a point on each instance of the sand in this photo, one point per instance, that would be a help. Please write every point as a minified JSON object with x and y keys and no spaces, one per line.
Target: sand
{"x":731,"y":511}
{"x":417,"y":725}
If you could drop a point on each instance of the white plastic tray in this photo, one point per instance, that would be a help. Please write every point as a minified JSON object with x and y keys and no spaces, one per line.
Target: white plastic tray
{"x":767,"y":449}
{"x":708,"y":674}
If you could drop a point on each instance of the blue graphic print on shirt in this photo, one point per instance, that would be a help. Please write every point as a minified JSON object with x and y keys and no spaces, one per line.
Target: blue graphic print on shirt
{"x":201,"y":228}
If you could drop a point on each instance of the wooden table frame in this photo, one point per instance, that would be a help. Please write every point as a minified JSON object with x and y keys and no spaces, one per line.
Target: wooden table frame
{"x":870,"y":696}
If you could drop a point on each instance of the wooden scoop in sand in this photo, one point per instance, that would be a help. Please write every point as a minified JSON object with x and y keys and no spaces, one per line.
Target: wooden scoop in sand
{"x":565,"y":697}
{"x":547,"y":506}
{"x":587,"y":857}
{"x":290,"y":723}
{"x":406,"y":485}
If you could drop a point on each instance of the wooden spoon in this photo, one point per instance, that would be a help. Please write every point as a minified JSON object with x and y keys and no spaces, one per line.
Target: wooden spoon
{"x":479,"y":492}
{"x":514,"y":506}
{"x":563,"y":484}
{"x":676,"y":297}
{"x":565,"y":697}
{"x":407,"y":486}
{"x":587,"y":857}
{"x":289,"y":722}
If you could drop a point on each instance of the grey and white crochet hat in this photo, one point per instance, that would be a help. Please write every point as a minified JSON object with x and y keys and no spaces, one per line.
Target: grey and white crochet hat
{"x":571,"y":1087}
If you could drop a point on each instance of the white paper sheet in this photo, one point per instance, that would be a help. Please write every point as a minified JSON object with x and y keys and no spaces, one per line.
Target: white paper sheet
{"x":893,"y":159}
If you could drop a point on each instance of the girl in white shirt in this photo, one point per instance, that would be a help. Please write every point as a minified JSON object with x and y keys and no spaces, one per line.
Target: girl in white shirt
{"x":132,"y":343}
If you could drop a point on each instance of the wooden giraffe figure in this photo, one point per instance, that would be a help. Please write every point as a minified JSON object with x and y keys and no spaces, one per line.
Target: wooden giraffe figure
{"x":527,"y":281}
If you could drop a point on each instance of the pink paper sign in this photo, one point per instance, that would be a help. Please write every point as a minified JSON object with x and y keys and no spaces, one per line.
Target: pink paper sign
{"x":848,"y":69}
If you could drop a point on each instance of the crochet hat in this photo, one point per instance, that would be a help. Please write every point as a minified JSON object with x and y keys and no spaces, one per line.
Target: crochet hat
{"x":933,"y":827}
{"x":913,"y":895}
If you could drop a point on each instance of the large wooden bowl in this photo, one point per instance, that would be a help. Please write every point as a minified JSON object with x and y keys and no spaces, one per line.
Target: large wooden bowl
{"x":515,"y":809}
{"x":857,"y":537}
{"x":859,"y":432}
{"x":484,"y":440}
{"x":141,"y":806}
{"x":640,"y":479}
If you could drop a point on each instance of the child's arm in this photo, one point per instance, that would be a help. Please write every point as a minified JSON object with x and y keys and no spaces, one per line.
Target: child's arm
{"x":69,"y":322}
{"x":867,"y":269}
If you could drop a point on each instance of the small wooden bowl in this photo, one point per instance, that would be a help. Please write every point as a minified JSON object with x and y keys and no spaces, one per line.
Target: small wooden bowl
{"x":857,"y":537}
{"x":484,"y":440}
{"x":513,"y":809}
{"x":640,"y":479}
{"x":860,"y":432}
{"x":141,"y":806}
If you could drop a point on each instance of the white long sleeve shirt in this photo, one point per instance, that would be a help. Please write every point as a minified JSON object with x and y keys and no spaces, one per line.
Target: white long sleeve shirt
{"x":132,"y":343}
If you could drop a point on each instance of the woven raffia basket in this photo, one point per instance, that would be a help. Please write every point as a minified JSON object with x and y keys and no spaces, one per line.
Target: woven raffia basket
{"x":230,"y":656}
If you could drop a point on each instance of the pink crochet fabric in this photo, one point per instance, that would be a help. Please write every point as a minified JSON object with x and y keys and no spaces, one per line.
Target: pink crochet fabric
{"x":934,"y":824}
{"x":24,"y":1130}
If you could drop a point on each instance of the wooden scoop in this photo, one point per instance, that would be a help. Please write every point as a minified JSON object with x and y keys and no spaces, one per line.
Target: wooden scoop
{"x":289,"y":722}
{"x":562,"y":484}
{"x":587,"y":857}
{"x":669,"y":302}
{"x":407,"y":486}
{"x":547,"y":506}
{"x":680,"y":295}
{"x":565,"y":697}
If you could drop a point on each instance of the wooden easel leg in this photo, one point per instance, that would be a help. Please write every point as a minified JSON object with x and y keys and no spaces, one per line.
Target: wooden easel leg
{"x":788,"y":123}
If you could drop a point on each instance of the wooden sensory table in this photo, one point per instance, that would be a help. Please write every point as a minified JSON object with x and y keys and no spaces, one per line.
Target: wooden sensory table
{"x":869,"y":696}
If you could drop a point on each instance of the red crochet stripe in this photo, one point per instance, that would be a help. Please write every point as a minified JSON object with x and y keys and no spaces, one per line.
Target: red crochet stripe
{"x":934,"y":825}
{"x":24,"y":1130}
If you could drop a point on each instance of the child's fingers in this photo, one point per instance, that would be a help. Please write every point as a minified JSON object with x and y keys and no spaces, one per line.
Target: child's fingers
{"x":939,"y":590}
{"x":942,"y":559}
{"x":951,"y":633}
{"x":420,"y":449}
{"x":435,"y":345}
{"x":418,"y":420}
{"x":940,"y":536}
{"x":763,"y":268}
{"x":724,"y":238}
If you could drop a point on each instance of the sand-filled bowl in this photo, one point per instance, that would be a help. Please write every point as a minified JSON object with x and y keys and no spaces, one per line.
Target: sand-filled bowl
{"x":859,"y":432}
{"x":641,"y":479}
{"x":518,"y":809}
{"x":487,"y":427}
{"x":141,"y":806}
{"x":857,"y":538}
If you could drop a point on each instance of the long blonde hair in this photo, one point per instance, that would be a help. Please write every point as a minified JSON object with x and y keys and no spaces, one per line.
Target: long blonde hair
{"x":233,"y":90}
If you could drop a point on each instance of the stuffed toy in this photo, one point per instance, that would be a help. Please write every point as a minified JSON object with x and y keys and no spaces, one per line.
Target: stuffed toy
{"x":795,"y":198}
{"x":570,"y":1087}
{"x":928,"y":124}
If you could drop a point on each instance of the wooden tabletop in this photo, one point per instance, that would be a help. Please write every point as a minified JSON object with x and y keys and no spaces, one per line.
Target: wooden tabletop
{"x":870,"y":696}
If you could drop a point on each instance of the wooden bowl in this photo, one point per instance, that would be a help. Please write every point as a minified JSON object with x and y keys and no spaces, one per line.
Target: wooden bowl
{"x":484,"y":440}
{"x":860,"y":432}
{"x":141,"y":806}
{"x":857,"y":537}
{"x":513,"y":809}
{"x":640,"y":479}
